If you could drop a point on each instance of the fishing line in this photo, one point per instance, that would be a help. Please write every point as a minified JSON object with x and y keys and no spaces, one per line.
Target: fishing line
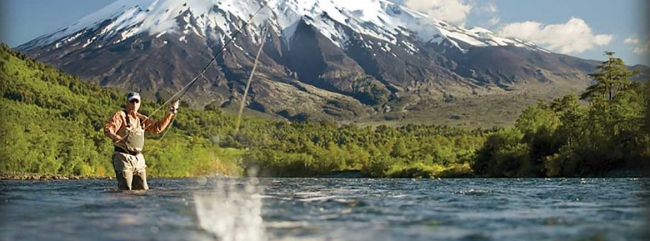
{"x":241,"y":106}
{"x":201,"y":74}
{"x":248,"y":84}
{"x":187,"y":87}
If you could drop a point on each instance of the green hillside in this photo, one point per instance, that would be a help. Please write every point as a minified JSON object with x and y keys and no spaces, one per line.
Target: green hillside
{"x":53,"y":122}
{"x":53,"y":125}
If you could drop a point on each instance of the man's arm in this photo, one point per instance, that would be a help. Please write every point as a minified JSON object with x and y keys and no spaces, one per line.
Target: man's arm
{"x":156,"y":127}
{"x":112,"y":126}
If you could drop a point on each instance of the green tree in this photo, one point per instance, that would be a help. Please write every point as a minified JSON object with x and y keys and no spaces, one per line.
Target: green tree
{"x":503,"y":155}
{"x":647,"y":106}
{"x":572,"y":118}
{"x":611,"y":78}
{"x":614,"y":119}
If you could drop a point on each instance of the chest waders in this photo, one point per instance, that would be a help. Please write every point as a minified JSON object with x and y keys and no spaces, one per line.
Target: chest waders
{"x":134,"y":137}
{"x":128,"y":162}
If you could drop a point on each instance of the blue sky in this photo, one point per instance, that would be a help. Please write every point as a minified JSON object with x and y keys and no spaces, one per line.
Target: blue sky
{"x":583,"y":28}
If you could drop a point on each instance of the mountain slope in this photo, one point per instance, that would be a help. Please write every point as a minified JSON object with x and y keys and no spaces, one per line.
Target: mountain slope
{"x":347,"y":60}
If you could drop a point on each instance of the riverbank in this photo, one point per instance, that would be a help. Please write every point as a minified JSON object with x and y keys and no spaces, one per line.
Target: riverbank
{"x":48,"y":177}
{"x":627,"y":173}
{"x":620,"y":173}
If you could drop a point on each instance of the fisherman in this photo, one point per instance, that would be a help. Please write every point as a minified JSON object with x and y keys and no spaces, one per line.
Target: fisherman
{"x":126,"y":129}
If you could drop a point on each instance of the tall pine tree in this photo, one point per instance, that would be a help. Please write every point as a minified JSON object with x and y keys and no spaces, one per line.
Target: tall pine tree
{"x":647,"y":106}
{"x":615,"y":116}
{"x":611,"y":78}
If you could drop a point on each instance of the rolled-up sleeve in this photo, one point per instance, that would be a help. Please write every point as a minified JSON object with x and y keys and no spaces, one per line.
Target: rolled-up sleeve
{"x":113,"y":125}
{"x":156,"y":127}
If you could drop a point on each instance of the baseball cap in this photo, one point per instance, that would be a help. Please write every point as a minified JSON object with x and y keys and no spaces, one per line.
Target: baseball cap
{"x":133,"y":96}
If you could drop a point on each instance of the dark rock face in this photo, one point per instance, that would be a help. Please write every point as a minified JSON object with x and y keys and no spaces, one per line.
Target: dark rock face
{"x":309,"y":74}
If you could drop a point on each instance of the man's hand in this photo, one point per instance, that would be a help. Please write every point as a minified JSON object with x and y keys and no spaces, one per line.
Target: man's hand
{"x":117,"y":139}
{"x":173,"y":108}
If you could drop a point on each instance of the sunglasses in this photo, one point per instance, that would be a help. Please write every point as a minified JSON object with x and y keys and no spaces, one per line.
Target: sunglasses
{"x":135,"y":101}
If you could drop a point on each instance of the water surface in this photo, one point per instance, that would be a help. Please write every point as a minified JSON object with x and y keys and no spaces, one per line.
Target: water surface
{"x":327,"y":209}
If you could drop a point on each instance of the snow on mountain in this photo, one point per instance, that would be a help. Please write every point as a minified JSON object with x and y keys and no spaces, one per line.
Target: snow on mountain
{"x":339,"y":58}
{"x":379,"y":19}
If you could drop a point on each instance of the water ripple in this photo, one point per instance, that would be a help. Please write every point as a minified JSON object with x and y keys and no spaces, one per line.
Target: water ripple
{"x":328,"y":209}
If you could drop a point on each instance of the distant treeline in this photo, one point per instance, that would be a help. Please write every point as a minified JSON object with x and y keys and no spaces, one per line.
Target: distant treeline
{"x":52,"y":123}
{"x":564,"y":138}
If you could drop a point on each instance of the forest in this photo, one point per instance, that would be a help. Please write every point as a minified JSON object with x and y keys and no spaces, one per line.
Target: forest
{"x":53,"y":124}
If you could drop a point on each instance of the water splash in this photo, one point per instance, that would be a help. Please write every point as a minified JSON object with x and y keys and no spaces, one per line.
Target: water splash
{"x":232,"y":210}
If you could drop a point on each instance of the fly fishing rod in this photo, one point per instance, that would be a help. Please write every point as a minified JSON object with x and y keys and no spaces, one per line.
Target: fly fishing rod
{"x":186,"y":88}
{"x":201,"y":74}
{"x":248,"y":83}
{"x":250,"y":78}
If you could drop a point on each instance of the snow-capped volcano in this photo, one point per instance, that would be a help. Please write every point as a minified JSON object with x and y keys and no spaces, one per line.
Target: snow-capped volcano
{"x":337,"y":57}
{"x":380,"y":19}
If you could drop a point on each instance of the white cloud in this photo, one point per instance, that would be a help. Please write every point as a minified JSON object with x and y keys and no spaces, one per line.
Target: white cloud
{"x":631,"y":40}
{"x":490,"y":7}
{"x":452,"y":11}
{"x":639,"y":47}
{"x":493,"y":21}
{"x":642,"y":49}
{"x":485,"y":13}
{"x":574,"y":36}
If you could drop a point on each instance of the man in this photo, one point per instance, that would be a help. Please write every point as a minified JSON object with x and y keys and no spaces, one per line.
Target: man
{"x":126,"y":128}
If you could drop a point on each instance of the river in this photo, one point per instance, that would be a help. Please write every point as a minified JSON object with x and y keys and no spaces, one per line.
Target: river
{"x":254,"y":209}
